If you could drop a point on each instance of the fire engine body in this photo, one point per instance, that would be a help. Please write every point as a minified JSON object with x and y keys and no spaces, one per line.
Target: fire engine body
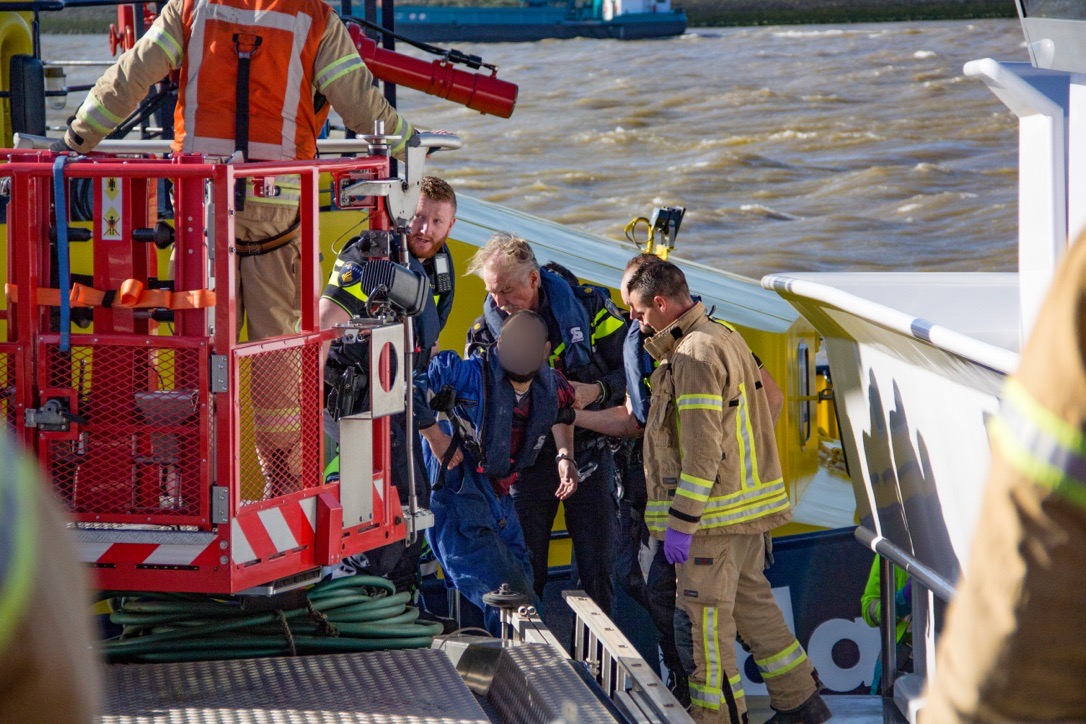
{"x":150,"y":436}
{"x":149,"y":419}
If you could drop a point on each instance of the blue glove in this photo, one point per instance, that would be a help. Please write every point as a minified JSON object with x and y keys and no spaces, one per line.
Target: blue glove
{"x":677,"y":546}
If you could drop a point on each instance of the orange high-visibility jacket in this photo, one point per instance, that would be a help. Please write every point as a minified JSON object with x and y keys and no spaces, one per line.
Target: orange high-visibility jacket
{"x":305,"y":55}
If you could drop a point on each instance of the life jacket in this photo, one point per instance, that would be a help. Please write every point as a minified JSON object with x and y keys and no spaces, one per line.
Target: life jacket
{"x":574,"y":353}
{"x":281,"y":38}
{"x":499,"y":399}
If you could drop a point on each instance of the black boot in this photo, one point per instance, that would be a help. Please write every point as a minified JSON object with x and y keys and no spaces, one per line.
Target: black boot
{"x":679,"y":686}
{"x":812,"y":711}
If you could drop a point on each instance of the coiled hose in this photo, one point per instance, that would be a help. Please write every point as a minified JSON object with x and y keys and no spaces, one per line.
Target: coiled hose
{"x":355,"y":613}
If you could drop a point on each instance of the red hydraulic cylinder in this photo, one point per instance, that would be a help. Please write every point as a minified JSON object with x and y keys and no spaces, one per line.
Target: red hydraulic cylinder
{"x":483,"y":93}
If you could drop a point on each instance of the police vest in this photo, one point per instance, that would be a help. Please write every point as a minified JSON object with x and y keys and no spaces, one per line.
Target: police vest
{"x":499,"y":398}
{"x":282,"y":38}
{"x":575,"y":351}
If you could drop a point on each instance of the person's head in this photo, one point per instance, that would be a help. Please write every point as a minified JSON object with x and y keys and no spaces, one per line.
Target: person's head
{"x":658,"y":295}
{"x":509,"y":271}
{"x":631,"y":268}
{"x":522,"y":345}
{"x":434,"y":218}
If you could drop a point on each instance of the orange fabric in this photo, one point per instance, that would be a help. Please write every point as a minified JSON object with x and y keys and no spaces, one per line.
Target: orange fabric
{"x":131,"y":295}
{"x":211,"y":108}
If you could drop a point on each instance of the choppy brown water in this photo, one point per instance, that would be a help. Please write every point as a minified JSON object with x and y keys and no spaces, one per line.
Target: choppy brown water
{"x":802,"y":148}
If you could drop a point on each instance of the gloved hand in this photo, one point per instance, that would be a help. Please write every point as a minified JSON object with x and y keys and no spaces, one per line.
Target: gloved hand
{"x":904,"y":599}
{"x":677,"y":546}
{"x":60,"y":146}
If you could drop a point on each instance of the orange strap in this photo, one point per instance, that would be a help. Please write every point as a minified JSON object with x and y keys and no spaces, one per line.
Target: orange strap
{"x":131,"y":295}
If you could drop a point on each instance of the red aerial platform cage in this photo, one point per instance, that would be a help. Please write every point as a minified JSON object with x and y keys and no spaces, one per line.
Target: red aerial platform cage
{"x":188,"y":460}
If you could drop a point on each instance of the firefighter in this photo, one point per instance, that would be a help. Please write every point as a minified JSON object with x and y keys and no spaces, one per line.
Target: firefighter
{"x":256,"y":82}
{"x":1012,"y":646}
{"x":655,"y":591}
{"x":48,"y":668}
{"x":714,"y":488}
{"x":259,"y":80}
{"x":502,"y":406}
{"x":586,"y":333}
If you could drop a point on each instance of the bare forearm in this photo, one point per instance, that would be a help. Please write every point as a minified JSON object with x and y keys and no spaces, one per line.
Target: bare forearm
{"x":614,"y":421}
{"x":563,"y":438}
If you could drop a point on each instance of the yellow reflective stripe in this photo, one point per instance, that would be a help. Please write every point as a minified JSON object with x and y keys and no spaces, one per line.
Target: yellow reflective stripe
{"x":700,"y":402}
{"x":404,"y":129}
{"x":782,"y":663}
{"x":737,"y":687}
{"x":744,"y":430}
{"x":337,"y":69}
{"x":97,"y":115}
{"x":557,"y":353}
{"x":1016,"y":396}
{"x":704,"y":697}
{"x":19,"y":515}
{"x":722,"y":323}
{"x":752,"y":512}
{"x":166,"y":42}
{"x":694,"y":488}
{"x":605,"y":324}
{"x":1040,"y":445}
{"x":721,"y":502}
{"x":709,"y":621}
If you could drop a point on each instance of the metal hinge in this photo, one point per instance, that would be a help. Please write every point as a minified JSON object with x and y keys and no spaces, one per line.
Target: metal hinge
{"x":220,"y":373}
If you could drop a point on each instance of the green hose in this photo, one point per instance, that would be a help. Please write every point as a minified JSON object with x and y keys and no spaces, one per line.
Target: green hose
{"x":355,"y":613}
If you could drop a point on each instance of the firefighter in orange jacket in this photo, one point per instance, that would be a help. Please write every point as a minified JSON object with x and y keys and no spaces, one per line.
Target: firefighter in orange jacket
{"x":259,"y":78}
{"x":1012,"y":648}
{"x":714,"y":488}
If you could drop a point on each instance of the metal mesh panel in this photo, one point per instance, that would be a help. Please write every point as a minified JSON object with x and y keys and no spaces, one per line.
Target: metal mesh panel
{"x":279,"y":422}
{"x":139,"y":455}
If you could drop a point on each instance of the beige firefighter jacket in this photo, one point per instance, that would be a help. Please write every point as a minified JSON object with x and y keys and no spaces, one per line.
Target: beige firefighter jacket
{"x":711,"y":462}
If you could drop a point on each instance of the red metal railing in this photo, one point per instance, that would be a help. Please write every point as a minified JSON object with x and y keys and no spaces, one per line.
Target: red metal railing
{"x":180,"y":429}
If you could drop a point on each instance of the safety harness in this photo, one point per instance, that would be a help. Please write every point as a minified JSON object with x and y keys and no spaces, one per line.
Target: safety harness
{"x":245,"y":44}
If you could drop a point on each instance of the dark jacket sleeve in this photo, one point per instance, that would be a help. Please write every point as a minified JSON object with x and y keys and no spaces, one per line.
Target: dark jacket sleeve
{"x":609,"y":336}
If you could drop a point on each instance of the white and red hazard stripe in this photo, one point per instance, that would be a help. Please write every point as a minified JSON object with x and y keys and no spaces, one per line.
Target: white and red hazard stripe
{"x":265,"y":533}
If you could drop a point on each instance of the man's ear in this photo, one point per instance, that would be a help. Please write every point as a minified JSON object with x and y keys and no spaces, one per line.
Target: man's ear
{"x":451,"y":225}
{"x":533,"y":278}
{"x":660,"y":302}
{"x":547,"y":350}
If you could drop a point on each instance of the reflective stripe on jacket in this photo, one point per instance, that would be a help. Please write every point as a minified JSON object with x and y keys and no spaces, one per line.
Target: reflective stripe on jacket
{"x":711,"y":460}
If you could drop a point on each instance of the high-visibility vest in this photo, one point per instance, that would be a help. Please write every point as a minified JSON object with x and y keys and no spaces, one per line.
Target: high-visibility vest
{"x":283,"y":120}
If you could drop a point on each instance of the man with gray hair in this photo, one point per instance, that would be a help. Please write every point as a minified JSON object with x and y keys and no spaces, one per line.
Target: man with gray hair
{"x":586,"y":333}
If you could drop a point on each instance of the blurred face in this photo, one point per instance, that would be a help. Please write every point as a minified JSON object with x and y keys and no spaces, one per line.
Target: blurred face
{"x":430,"y":227}
{"x":523,"y":348}
{"x":653,"y":313}
{"x":512,"y":289}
